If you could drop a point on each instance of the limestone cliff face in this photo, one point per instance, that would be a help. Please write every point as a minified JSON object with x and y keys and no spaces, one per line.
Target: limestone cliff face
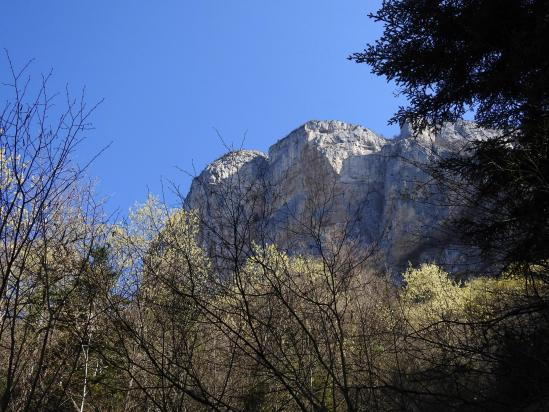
{"x":340,"y":178}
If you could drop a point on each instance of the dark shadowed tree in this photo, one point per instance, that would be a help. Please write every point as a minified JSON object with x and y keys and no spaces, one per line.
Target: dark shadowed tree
{"x":489,"y":57}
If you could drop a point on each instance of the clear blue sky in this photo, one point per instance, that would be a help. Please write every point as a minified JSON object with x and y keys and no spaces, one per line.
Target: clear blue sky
{"x":171,"y":71}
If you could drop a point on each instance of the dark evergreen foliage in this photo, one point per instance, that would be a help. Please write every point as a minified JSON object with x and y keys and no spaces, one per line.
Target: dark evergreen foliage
{"x":491,"y":57}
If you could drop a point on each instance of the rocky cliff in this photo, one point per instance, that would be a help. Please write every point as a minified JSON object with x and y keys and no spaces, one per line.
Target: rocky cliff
{"x":329,"y":178}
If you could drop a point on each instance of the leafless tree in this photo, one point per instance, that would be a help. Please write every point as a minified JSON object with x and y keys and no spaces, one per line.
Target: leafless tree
{"x":49,"y":227}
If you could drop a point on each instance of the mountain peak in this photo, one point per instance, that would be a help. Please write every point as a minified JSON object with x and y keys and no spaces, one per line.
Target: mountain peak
{"x":374,"y":181}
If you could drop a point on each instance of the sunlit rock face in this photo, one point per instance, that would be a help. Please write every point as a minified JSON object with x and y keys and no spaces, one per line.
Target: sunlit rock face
{"x":334,"y":179}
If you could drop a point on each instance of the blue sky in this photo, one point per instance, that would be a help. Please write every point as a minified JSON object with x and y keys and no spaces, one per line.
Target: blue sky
{"x":173,"y":71}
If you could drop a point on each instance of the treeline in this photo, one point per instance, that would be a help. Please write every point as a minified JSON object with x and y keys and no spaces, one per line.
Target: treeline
{"x":137,"y":318}
{"x":168,"y":311}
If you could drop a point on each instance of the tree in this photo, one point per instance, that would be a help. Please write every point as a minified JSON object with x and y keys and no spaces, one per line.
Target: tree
{"x":450,"y":57}
{"x":473,"y":345}
{"x":50,"y":231}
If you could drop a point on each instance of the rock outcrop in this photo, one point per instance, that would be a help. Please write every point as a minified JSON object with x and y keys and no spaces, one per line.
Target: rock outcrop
{"x":329,"y":176}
